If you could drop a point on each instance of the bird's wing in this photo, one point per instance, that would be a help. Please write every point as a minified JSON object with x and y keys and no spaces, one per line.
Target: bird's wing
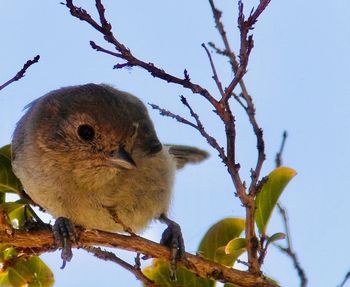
{"x":186,"y":154}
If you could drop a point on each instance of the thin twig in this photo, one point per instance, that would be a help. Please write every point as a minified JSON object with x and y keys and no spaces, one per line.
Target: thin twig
{"x":21,"y":73}
{"x":170,"y":114}
{"x":278,"y":159}
{"x":283,"y":212}
{"x":247,"y":43}
{"x":346,"y":278}
{"x":124,"y":53}
{"x":198,"y":126}
{"x":289,"y":249}
{"x":238,"y":99}
{"x":109,"y":256}
{"x":215,"y":75}
{"x":227,"y":50}
{"x":239,"y":73}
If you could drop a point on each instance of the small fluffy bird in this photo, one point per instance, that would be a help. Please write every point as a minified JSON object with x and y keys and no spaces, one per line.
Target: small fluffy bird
{"x":90,"y":155}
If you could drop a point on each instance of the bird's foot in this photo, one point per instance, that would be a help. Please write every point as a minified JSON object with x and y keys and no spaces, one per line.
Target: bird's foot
{"x":172,"y":237}
{"x":64,"y":233}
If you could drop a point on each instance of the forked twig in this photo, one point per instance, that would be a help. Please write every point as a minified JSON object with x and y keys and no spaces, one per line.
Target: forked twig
{"x":109,"y":256}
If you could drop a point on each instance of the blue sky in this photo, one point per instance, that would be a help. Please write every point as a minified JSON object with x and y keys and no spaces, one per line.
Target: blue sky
{"x":298,"y":76}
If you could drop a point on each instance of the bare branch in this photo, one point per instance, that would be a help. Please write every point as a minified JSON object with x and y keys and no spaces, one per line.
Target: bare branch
{"x":283,"y":212}
{"x":239,"y":69}
{"x":215,"y":75}
{"x":198,"y":126}
{"x":124,"y":53}
{"x":109,"y":256}
{"x":21,"y":73}
{"x":246,"y":44}
{"x":170,"y":114}
{"x":43,"y":241}
{"x":289,"y":249}
{"x":278,"y":159}
{"x":346,"y":278}
{"x":238,"y":99}
{"x":217,"y":49}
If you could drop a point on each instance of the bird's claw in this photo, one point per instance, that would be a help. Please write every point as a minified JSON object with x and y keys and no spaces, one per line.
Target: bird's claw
{"x":64,"y":233}
{"x":172,"y":238}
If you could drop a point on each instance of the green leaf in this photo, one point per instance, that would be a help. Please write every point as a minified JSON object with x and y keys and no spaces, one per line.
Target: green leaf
{"x":6,"y":151}
{"x":227,"y":259}
{"x":218,"y":236}
{"x":235,"y":244}
{"x":17,"y":212}
{"x":15,"y":278}
{"x":9,"y":253}
{"x":228,"y":254}
{"x":272,"y":281}
{"x":277,"y":236}
{"x":222,"y":257}
{"x":4,"y":279}
{"x":8,"y":181}
{"x":35,"y":272}
{"x":267,"y":198}
{"x":160,"y":274}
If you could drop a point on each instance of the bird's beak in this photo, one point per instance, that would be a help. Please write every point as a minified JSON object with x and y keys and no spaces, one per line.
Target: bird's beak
{"x":121,"y":158}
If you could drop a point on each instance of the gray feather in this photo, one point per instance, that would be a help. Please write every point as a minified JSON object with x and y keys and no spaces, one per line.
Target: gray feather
{"x":186,"y":154}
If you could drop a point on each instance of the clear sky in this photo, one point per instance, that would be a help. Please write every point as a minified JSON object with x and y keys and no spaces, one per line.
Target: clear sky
{"x":299,"y":79}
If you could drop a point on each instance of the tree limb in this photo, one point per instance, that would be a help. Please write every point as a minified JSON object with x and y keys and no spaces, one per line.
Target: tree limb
{"x":43,"y":241}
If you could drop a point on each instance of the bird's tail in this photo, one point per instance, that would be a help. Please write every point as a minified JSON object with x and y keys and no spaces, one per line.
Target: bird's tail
{"x":186,"y":154}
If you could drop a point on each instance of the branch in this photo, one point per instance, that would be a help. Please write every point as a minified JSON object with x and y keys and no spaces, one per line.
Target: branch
{"x":43,"y":241}
{"x":21,"y":73}
{"x":246,"y":43}
{"x":289,"y":249}
{"x":109,"y":256}
{"x":346,"y":278}
{"x":124,"y":53}
{"x":239,"y":70}
{"x":278,"y":159}
{"x":198,"y":126}
{"x":215,"y":75}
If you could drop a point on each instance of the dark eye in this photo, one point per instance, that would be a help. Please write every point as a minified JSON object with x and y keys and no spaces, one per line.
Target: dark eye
{"x":86,"y":132}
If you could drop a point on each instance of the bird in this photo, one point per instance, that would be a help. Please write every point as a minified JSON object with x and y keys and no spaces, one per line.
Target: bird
{"x":90,"y":156}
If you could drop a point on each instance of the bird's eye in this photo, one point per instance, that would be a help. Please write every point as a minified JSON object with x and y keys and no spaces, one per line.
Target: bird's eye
{"x":86,"y":132}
